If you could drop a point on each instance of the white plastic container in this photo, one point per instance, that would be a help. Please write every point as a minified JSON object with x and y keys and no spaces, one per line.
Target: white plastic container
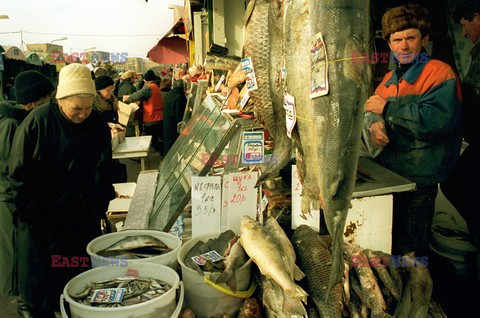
{"x":205,"y":300}
{"x":163,"y":306}
{"x":104,"y":241}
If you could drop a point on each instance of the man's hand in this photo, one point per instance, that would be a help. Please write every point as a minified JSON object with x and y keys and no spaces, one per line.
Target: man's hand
{"x":378,"y":135}
{"x":375,"y":104}
{"x":125,"y":98}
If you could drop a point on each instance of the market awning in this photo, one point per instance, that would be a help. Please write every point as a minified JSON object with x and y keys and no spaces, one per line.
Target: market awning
{"x":170,"y":50}
{"x":13,"y":53}
{"x":33,"y":58}
{"x":46,"y":58}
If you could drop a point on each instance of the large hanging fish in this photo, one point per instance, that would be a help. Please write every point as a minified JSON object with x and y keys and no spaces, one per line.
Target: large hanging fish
{"x":329,"y":127}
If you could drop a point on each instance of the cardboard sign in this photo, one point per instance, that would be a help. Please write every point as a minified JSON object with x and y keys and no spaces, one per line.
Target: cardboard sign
{"x":290,"y":113}
{"x":252,"y":147}
{"x":312,"y":219}
{"x":206,"y":199}
{"x":318,"y":60}
{"x":242,"y":198}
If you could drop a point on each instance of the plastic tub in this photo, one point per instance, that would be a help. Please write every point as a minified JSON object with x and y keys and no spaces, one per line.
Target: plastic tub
{"x":203,"y":296}
{"x":104,"y":241}
{"x":161,"y":307}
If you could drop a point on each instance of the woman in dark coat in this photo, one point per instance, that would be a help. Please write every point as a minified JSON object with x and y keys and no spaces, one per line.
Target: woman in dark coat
{"x":173,"y":109}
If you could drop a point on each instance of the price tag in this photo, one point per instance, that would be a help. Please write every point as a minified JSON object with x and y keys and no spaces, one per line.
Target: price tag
{"x":252,"y":147}
{"x":242,"y":198}
{"x":290,"y":114}
{"x":313,"y":219}
{"x":220,"y":81}
{"x":247,"y":68}
{"x":206,"y":204}
{"x":318,"y":60}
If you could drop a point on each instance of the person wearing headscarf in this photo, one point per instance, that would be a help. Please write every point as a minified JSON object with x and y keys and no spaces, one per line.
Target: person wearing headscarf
{"x":32,"y":90}
{"x":60,"y":171}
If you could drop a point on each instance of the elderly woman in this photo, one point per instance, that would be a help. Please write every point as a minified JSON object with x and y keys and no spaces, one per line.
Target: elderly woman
{"x":105,"y":102}
{"x":60,"y":172}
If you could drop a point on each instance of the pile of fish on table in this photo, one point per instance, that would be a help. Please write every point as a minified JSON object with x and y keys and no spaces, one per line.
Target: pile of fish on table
{"x":135,"y":247}
{"x":136,"y":290}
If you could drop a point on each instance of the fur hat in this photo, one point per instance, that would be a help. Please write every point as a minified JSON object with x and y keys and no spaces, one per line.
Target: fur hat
{"x":30,"y":86}
{"x":149,"y":76}
{"x":405,"y":17}
{"x":128,"y":74}
{"x":75,"y":79}
{"x":102,"y":82}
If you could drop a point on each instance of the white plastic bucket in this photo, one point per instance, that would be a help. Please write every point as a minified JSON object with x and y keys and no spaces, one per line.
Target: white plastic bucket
{"x":207,"y":299}
{"x":104,"y":241}
{"x":163,"y":306}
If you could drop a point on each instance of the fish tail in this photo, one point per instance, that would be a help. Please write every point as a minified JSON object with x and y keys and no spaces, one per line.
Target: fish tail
{"x":293,"y":306}
{"x":336,"y":272}
{"x":297,"y":273}
{"x":228,"y":277}
{"x":300,"y":294}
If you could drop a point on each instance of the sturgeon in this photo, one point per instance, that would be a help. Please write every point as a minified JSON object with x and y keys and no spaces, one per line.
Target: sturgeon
{"x":264,"y":45}
{"x":329,"y":127}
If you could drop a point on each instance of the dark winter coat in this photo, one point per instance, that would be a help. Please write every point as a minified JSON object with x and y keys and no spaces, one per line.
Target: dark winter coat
{"x":173,"y":110}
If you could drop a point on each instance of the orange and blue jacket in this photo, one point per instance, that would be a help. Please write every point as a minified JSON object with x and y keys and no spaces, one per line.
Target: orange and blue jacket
{"x":423,"y":121}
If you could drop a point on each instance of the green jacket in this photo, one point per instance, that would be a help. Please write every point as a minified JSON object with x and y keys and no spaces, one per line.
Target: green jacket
{"x":471,"y":99}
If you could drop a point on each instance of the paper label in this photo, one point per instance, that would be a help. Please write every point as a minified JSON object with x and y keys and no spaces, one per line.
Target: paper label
{"x":212,"y":256}
{"x":206,"y":204}
{"x":252,"y":147}
{"x":290,"y":113}
{"x":312,"y":219}
{"x":247,"y":68}
{"x":242,"y":198}
{"x":108,"y":295}
{"x":318,"y":60}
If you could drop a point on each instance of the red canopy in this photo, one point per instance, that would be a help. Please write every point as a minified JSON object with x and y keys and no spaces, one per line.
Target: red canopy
{"x":171,"y":50}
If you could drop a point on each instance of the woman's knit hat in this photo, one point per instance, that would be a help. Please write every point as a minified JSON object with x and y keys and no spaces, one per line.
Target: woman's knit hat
{"x":102,"y":82}
{"x":30,"y":86}
{"x":75,"y":79}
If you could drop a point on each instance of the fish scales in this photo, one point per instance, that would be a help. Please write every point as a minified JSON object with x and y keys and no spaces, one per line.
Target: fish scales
{"x":314,"y":259}
{"x":257,"y":46}
{"x":330,"y":141}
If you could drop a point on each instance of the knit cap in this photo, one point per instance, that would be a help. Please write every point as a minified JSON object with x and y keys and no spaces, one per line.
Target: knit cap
{"x":128,"y":74}
{"x":102,"y":82}
{"x":30,"y":86}
{"x":149,"y":76}
{"x":75,"y":79}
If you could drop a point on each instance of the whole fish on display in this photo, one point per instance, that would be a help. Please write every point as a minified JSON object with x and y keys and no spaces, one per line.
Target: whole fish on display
{"x":329,"y":127}
{"x":264,"y":45}
{"x":314,"y":259}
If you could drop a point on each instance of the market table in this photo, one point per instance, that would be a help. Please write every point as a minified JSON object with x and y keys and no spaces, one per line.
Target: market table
{"x":134,"y":147}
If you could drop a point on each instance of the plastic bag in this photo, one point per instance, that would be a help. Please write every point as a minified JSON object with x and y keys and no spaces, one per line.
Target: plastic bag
{"x":369,"y":119}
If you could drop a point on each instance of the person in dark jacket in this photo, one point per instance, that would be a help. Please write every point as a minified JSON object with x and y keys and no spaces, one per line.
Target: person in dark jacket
{"x":463,"y":185}
{"x":126,"y":86}
{"x":152,"y":105}
{"x":173,"y":110}
{"x":104,"y":102}
{"x":61,"y":178}
{"x":420,"y":101}
{"x":33,"y":89}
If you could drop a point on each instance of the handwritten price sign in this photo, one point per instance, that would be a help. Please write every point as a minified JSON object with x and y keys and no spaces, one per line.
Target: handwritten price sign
{"x":206,"y":204}
{"x":313,"y":219}
{"x":241,"y":198}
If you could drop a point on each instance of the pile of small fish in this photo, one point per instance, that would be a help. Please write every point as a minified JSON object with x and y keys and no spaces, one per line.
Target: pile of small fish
{"x":137,"y":290}
{"x":375,"y":284}
{"x":135,"y":246}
